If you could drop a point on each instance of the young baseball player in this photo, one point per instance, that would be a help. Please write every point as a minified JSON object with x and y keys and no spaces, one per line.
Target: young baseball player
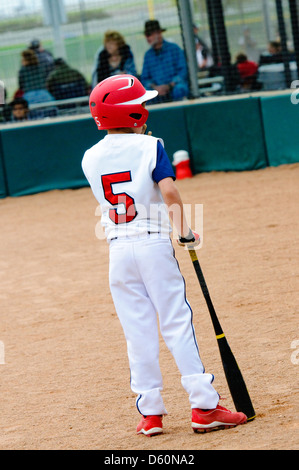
{"x":131,"y":177}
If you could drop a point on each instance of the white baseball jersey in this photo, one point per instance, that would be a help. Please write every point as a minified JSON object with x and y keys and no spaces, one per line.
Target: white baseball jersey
{"x":123,"y":171}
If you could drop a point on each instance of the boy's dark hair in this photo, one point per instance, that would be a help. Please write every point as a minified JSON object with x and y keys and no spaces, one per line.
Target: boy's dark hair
{"x":59,"y":61}
{"x":241,"y":57}
{"x":276,"y":45}
{"x":21,"y":101}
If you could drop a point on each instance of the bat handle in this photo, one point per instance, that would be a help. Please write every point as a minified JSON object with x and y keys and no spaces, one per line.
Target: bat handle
{"x":217,"y":327}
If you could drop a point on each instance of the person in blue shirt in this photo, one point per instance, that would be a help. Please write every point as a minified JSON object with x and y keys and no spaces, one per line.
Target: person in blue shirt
{"x":164,"y":67}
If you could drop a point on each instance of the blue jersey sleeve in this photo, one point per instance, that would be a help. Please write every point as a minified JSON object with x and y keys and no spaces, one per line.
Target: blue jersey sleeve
{"x":163,"y":167}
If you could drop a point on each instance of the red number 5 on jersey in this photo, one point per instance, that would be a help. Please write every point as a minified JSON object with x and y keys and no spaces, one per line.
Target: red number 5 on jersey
{"x":117,"y":199}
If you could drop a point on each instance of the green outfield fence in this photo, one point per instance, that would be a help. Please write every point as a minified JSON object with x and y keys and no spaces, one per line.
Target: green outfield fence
{"x":230,"y":134}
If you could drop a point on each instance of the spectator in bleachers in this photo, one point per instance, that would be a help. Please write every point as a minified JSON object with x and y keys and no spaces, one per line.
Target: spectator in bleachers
{"x":114,"y":58}
{"x":230,"y":72}
{"x":249,"y":45}
{"x":32,"y":79}
{"x":64,"y":82}
{"x":32,"y":75}
{"x":274,"y":54}
{"x":248,"y":70}
{"x":203,"y":54}
{"x":164,"y":66}
{"x":19,"y":110}
{"x":45,"y":57}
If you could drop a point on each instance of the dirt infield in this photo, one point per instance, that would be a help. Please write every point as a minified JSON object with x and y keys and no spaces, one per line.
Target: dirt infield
{"x":65,"y":375}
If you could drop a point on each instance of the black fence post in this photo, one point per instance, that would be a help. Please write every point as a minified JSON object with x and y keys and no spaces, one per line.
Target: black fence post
{"x":283,"y":40}
{"x":186,"y":23}
{"x":213,"y":36}
{"x":222,"y":45}
{"x":295,"y":30}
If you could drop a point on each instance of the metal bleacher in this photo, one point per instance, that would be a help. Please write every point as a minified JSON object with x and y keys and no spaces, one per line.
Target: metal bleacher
{"x":66,"y":107}
{"x":80,"y":105}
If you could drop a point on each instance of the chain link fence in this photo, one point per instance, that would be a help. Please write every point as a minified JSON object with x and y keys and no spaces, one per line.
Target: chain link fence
{"x":53,"y":52}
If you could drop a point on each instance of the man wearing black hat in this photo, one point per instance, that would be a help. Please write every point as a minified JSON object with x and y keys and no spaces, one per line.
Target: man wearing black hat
{"x":164,"y":66}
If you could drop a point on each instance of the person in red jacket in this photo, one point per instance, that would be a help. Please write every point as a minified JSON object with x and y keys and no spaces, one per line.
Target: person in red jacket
{"x":248,"y":71}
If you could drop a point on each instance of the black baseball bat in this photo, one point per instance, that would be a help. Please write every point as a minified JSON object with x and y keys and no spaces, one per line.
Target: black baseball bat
{"x":232,"y":372}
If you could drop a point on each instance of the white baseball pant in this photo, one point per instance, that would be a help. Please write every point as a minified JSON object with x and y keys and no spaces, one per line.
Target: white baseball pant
{"x":145,"y":280}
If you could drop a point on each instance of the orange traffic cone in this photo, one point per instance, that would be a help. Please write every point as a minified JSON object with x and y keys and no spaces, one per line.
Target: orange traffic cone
{"x":181,"y":162}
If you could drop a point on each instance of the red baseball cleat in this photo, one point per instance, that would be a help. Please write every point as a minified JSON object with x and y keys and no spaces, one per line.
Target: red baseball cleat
{"x":219,"y":418}
{"x":150,"y":425}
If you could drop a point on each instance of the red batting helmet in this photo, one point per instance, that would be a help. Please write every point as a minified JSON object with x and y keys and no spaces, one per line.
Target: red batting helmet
{"x":117,"y":102}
